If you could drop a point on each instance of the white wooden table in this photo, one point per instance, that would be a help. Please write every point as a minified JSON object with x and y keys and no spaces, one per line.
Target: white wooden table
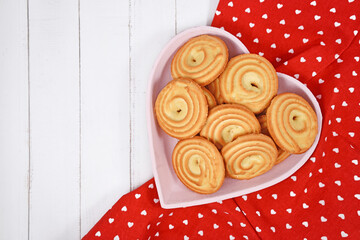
{"x":73,"y":77}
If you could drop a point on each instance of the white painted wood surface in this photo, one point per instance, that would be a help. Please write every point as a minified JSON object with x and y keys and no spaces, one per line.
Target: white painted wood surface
{"x":54,"y":120}
{"x":14,"y":122}
{"x":73,"y":77}
{"x":105,"y":107}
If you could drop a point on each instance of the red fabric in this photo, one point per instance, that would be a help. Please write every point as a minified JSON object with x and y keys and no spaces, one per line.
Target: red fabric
{"x":317,"y":42}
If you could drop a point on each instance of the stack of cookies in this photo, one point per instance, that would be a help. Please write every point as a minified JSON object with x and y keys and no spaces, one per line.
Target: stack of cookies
{"x":228,"y":116}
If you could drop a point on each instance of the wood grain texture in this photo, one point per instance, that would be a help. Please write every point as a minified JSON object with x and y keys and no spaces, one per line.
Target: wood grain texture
{"x":54,"y":120}
{"x":105,"y":108}
{"x":151,"y":28}
{"x":194,"y":13}
{"x":14,"y":147}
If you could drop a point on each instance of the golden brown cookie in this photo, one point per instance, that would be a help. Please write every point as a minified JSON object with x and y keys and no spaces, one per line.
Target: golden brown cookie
{"x":209,"y":97}
{"x":215,"y":90}
{"x":202,"y":58}
{"x":263,"y":124}
{"x":181,"y":108}
{"x":199,"y":165}
{"x":282,"y":155}
{"x":249,"y":156}
{"x":250,"y":80}
{"x":228,"y":121}
{"x":292,"y":122}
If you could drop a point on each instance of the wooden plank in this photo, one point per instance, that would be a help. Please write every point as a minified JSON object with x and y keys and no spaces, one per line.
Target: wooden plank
{"x":151,"y":28}
{"x":194,"y":13}
{"x":14,"y":147}
{"x":54,"y":120}
{"x":105,"y":107}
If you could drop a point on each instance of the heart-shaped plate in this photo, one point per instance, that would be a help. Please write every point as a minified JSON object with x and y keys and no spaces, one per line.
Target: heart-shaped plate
{"x":172,"y":193}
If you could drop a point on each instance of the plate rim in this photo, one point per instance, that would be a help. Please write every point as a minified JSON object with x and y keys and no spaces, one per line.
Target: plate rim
{"x":149,"y":115}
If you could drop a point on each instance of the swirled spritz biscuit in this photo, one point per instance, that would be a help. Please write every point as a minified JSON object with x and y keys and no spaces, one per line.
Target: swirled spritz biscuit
{"x":209,"y":97}
{"x":282,"y":155}
{"x":263,"y":124}
{"x":181,"y":108}
{"x":250,"y":80}
{"x":215,"y":90}
{"x":249,"y":156}
{"x":228,"y":121}
{"x":202,"y":58}
{"x":199,"y":165}
{"x":292,"y":122}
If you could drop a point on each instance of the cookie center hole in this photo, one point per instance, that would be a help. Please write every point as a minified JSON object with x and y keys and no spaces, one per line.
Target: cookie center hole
{"x":179,"y":110}
{"x":294,"y":118}
{"x":194,"y":60}
{"x":254,"y":85}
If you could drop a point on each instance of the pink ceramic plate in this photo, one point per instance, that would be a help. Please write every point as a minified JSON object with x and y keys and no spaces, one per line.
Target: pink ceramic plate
{"x":172,"y":193}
